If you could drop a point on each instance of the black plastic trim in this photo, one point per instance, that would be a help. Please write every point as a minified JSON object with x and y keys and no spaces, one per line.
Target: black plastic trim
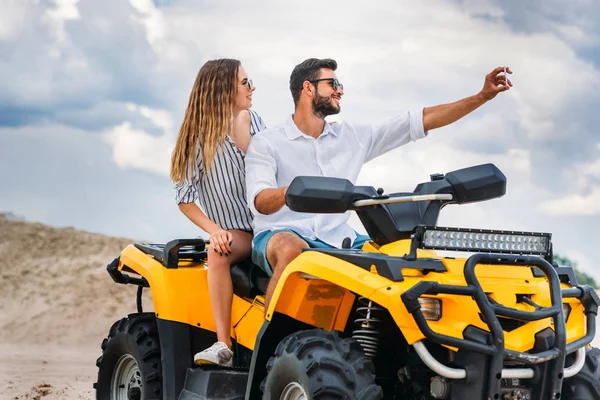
{"x":176,"y":355}
{"x":155,"y":250}
{"x":389,"y":267}
{"x":178,"y":343}
{"x":169,"y":254}
{"x":259,"y":359}
{"x":475,"y":364}
{"x":172,"y":250}
{"x":138,"y":299}
{"x":118,"y":277}
{"x":566,"y":275}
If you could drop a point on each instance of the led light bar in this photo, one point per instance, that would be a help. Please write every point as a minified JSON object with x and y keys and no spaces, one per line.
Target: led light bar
{"x":486,"y":241}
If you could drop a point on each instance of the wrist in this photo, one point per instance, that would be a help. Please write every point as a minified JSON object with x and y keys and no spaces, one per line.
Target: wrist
{"x":214,"y":230}
{"x":283,"y":192}
{"x":482,"y":97}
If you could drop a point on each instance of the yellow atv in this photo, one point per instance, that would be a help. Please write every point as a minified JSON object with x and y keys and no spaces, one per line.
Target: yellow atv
{"x":395,"y":320}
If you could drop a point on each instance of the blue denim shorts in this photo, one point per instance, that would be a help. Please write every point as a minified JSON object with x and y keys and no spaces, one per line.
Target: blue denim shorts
{"x":259,"y":246}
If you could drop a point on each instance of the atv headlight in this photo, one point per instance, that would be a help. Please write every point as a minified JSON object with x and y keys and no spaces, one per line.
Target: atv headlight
{"x":488,"y":241}
{"x":431,"y":308}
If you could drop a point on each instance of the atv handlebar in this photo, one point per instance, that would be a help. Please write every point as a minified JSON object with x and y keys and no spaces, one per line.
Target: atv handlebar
{"x":402,"y":199}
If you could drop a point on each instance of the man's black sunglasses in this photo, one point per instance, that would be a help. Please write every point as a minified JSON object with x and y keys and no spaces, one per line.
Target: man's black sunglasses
{"x":334,"y":82}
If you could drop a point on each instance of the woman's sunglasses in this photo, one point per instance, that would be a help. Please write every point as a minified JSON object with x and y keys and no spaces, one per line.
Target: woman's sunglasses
{"x":248,"y":84}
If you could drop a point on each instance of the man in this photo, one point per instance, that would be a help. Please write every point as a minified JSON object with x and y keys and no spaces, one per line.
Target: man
{"x":306,"y":145}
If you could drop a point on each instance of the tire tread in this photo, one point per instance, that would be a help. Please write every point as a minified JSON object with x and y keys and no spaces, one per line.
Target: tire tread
{"x":336,"y":367}
{"x":139,"y":334}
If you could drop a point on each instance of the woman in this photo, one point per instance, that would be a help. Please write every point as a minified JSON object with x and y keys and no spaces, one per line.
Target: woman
{"x":208,"y":165}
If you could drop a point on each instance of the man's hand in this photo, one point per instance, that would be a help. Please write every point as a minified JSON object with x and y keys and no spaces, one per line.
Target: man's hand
{"x":442,"y":115}
{"x":495,"y":82}
{"x":269,"y":201}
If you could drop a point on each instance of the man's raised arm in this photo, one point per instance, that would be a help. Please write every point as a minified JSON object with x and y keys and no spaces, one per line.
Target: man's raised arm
{"x":445,"y":114}
{"x":263,"y":195}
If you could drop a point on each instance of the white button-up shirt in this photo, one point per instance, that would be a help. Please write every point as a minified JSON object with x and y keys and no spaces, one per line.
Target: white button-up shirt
{"x":279,"y":154}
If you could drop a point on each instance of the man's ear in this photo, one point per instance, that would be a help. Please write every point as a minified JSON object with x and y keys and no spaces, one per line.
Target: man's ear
{"x":308,"y":87}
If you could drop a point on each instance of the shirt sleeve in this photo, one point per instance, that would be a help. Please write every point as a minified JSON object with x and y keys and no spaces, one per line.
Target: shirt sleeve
{"x":402,"y":129}
{"x":188,"y":190}
{"x":261,"y":169}
{"x":256,"y":123}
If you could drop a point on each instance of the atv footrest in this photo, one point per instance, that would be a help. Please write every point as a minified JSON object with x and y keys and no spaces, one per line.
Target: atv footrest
{"x":214,"y":383}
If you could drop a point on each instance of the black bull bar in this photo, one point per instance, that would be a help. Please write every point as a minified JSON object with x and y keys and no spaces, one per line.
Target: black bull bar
{"x":490,"y":310}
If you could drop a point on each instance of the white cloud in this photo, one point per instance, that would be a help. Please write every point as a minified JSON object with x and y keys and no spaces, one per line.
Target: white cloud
{"x":152,"y":18}
{"x":582,"y":177}
{"x":14,"y":15}
{"x":575,"y":22}
{"x":591,"y":169}
{"x":134,"y":148}
{"x":402,"y":169}
{"x":160,"y":118}
{"x":64,"y":10}
{"x":574,"y":204}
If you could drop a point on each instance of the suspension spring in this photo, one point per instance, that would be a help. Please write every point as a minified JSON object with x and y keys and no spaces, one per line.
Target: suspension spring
{"x":366,"y":334}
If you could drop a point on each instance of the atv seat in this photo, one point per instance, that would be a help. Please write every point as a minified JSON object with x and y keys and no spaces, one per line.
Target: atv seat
{"x":248,"y":279}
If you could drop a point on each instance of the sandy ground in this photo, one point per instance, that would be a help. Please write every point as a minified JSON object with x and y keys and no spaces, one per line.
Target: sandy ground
{"x":50,"y":371}
{"x":56,"y":305}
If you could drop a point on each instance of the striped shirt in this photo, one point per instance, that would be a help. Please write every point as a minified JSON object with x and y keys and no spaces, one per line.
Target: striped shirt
{"x":222,"y":192}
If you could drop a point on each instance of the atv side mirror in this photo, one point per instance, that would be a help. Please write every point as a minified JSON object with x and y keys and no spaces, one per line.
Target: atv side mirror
{"x":481,"y":182}
{"x":315,"y":194}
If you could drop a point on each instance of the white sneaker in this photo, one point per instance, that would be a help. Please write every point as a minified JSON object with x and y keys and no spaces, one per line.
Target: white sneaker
{"x":218,"y":354}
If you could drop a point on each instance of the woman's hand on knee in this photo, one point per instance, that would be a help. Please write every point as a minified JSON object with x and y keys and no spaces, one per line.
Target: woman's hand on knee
{"x":220,"y":242}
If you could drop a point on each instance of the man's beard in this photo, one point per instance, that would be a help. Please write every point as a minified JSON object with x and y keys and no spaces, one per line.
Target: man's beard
{"x":323,"y":106}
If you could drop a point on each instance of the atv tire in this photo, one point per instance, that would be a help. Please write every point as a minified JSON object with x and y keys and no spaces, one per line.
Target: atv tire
{"x":130,"y":367}
{"x":315,"y":364}
{"x":586,"y":384}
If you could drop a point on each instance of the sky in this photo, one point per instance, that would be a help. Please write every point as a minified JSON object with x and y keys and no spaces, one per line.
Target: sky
{"x":92,"y":95}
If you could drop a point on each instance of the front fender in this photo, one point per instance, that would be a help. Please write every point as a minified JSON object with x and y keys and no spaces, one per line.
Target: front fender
{"x":320,"y":289}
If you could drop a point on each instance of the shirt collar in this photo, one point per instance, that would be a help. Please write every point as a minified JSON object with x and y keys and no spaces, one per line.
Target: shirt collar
{"x":292,"y":132}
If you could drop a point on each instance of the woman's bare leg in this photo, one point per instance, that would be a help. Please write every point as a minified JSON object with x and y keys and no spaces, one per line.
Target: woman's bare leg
{"x":220,"y":287}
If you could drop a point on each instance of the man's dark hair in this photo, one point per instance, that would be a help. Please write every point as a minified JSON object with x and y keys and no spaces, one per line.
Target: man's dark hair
{"x":308,"y":70}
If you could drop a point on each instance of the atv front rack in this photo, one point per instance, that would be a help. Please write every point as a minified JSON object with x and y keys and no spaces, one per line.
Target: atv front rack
{"x":551,"y":362}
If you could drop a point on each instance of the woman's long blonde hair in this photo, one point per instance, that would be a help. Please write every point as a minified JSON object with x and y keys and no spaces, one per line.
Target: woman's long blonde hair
{"x":208,"y":117}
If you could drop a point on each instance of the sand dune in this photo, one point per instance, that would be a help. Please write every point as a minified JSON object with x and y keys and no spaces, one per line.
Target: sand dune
{"x":56,"y":305}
